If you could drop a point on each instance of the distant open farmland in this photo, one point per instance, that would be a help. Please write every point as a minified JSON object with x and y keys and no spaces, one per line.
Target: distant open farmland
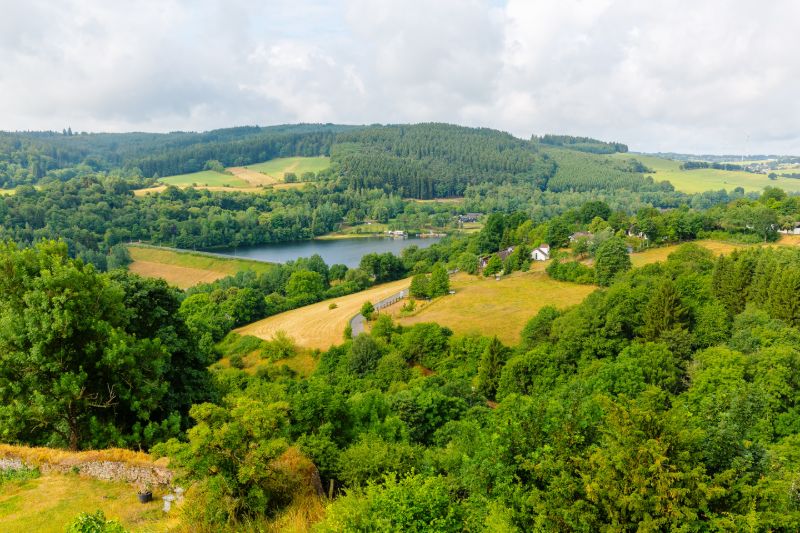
{"x":709,"y":179}
{"x":208,"y":178}
{"x":251,"y":178}
{"x":276,"y":169}
{"x":7,"y":192}
{"x":185,"y":269}
{"x":317,"y":326}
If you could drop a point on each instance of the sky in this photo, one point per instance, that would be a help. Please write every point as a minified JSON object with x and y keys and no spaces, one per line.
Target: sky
{"x":695,"y":76}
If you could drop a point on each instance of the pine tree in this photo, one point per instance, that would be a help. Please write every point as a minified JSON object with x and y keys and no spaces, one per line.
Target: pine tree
{"x":663,"y":312}
{"x":490,"y":367}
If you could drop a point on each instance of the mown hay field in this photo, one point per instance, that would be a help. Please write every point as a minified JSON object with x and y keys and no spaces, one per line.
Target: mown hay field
{"x":316,"y":325}
{"x":490,"y":307}
{"x":185,"y":269}
{"x":250,"y":179}
{"x":276,"y":169}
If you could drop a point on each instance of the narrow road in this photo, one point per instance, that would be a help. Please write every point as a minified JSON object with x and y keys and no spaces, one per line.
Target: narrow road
{"x":357,"y":322}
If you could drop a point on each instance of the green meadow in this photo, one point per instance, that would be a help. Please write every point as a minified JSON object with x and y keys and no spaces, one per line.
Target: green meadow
{"x":279,"y":167}
{"x":208,"y":178}
{"x":709,"y":179}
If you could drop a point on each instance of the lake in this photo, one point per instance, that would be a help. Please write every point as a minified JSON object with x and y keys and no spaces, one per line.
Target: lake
{"x":345,"y":251}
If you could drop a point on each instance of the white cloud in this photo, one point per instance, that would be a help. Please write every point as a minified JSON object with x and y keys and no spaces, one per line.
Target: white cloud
{"x":661,"y":75}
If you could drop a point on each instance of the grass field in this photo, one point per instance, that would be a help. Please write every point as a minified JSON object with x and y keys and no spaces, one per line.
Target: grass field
{"x":317,"y":326}
{"x":276,"y":169}
{"x":7,"y":192}
{"x":708,"y":179}
{"x":207,"y":178}
{"x":47,"y":504}
{"x":184,"y":269}
{"x":489,"y":307}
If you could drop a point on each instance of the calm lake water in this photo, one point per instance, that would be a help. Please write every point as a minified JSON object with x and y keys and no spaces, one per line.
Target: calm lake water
{"x":344,"y":251}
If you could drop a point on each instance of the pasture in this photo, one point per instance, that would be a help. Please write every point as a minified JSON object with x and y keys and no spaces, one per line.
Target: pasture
{"x":205,"y":178}
{"x":185,"y":269}
{"x":276,"y":169}
{"x":317,"y":326}
{"x":708,"y":179}
{"x":489,"y":307}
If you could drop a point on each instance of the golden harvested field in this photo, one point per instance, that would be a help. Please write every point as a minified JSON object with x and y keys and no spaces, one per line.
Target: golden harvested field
{"x":489,"y":307}
{"x":316,"y":326}
{"x":49,"y":503}
{"x":654,"y":255}
{"x":251,"y":176}
{"x":184,"y":269}
{"x":181,"y":277}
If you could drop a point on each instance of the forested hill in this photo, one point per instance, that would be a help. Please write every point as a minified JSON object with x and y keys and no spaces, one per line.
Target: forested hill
{"x":416,"y":161}
{"x":437,"y":160}
{"x":27,"y":157}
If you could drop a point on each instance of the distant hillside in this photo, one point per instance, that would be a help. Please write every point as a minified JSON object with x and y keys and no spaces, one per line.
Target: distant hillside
{"x":581,"y":144}
{"x":420,"y":161}
{"x":436,"y":160}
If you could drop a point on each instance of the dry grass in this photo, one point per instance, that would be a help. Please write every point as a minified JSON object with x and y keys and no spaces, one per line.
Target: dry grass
{"x":185,"y":269}
{"x":49,"y":503}
{"x":489,"y":307}
{"x":655,"y":255}
{"x":181,"y":277}
{"x":316,"y":326}
{"x":40,"y":456}
{"x":254,"y":178}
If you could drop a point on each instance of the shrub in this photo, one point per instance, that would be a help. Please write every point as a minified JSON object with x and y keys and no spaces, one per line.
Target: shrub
{"x":18,"y":474}
{"x":94,"y":523}
{"x":571,"y":271}
{"x":332,"y":305}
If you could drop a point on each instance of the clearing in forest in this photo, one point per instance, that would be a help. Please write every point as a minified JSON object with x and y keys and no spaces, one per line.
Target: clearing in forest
{"x":251,"y":178}
{"x":205,"y":178}
{"x":185,"y":269}
{"x":316,"y":325}
{"x":708,"y":179}
{"x":276,"y":169}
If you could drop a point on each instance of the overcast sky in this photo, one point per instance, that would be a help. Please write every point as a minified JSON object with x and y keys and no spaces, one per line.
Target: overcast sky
{"x":701,"y":76}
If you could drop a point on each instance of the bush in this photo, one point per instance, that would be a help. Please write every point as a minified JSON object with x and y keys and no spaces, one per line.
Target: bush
{"x":414,"y":503}
{"x":332,"y":305}
{"x":94,"y":523}
{"x":571,"y":271}
{"x":18,"y":474}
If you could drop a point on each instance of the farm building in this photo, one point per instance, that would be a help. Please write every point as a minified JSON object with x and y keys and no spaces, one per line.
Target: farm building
{"x":502,"y":254}
{"x":542,"y":253}
{"x":580,"y":235}
{"x":469,"y":217}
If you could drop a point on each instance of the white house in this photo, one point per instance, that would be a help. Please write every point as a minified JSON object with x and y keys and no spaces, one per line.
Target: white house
{"x":541,"y":253}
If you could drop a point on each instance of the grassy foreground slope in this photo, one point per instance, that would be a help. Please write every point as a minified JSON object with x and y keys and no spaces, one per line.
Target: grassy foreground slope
{"x":47,"y":504}
{"x":708,"y":179}
{"x":184,"y":269}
